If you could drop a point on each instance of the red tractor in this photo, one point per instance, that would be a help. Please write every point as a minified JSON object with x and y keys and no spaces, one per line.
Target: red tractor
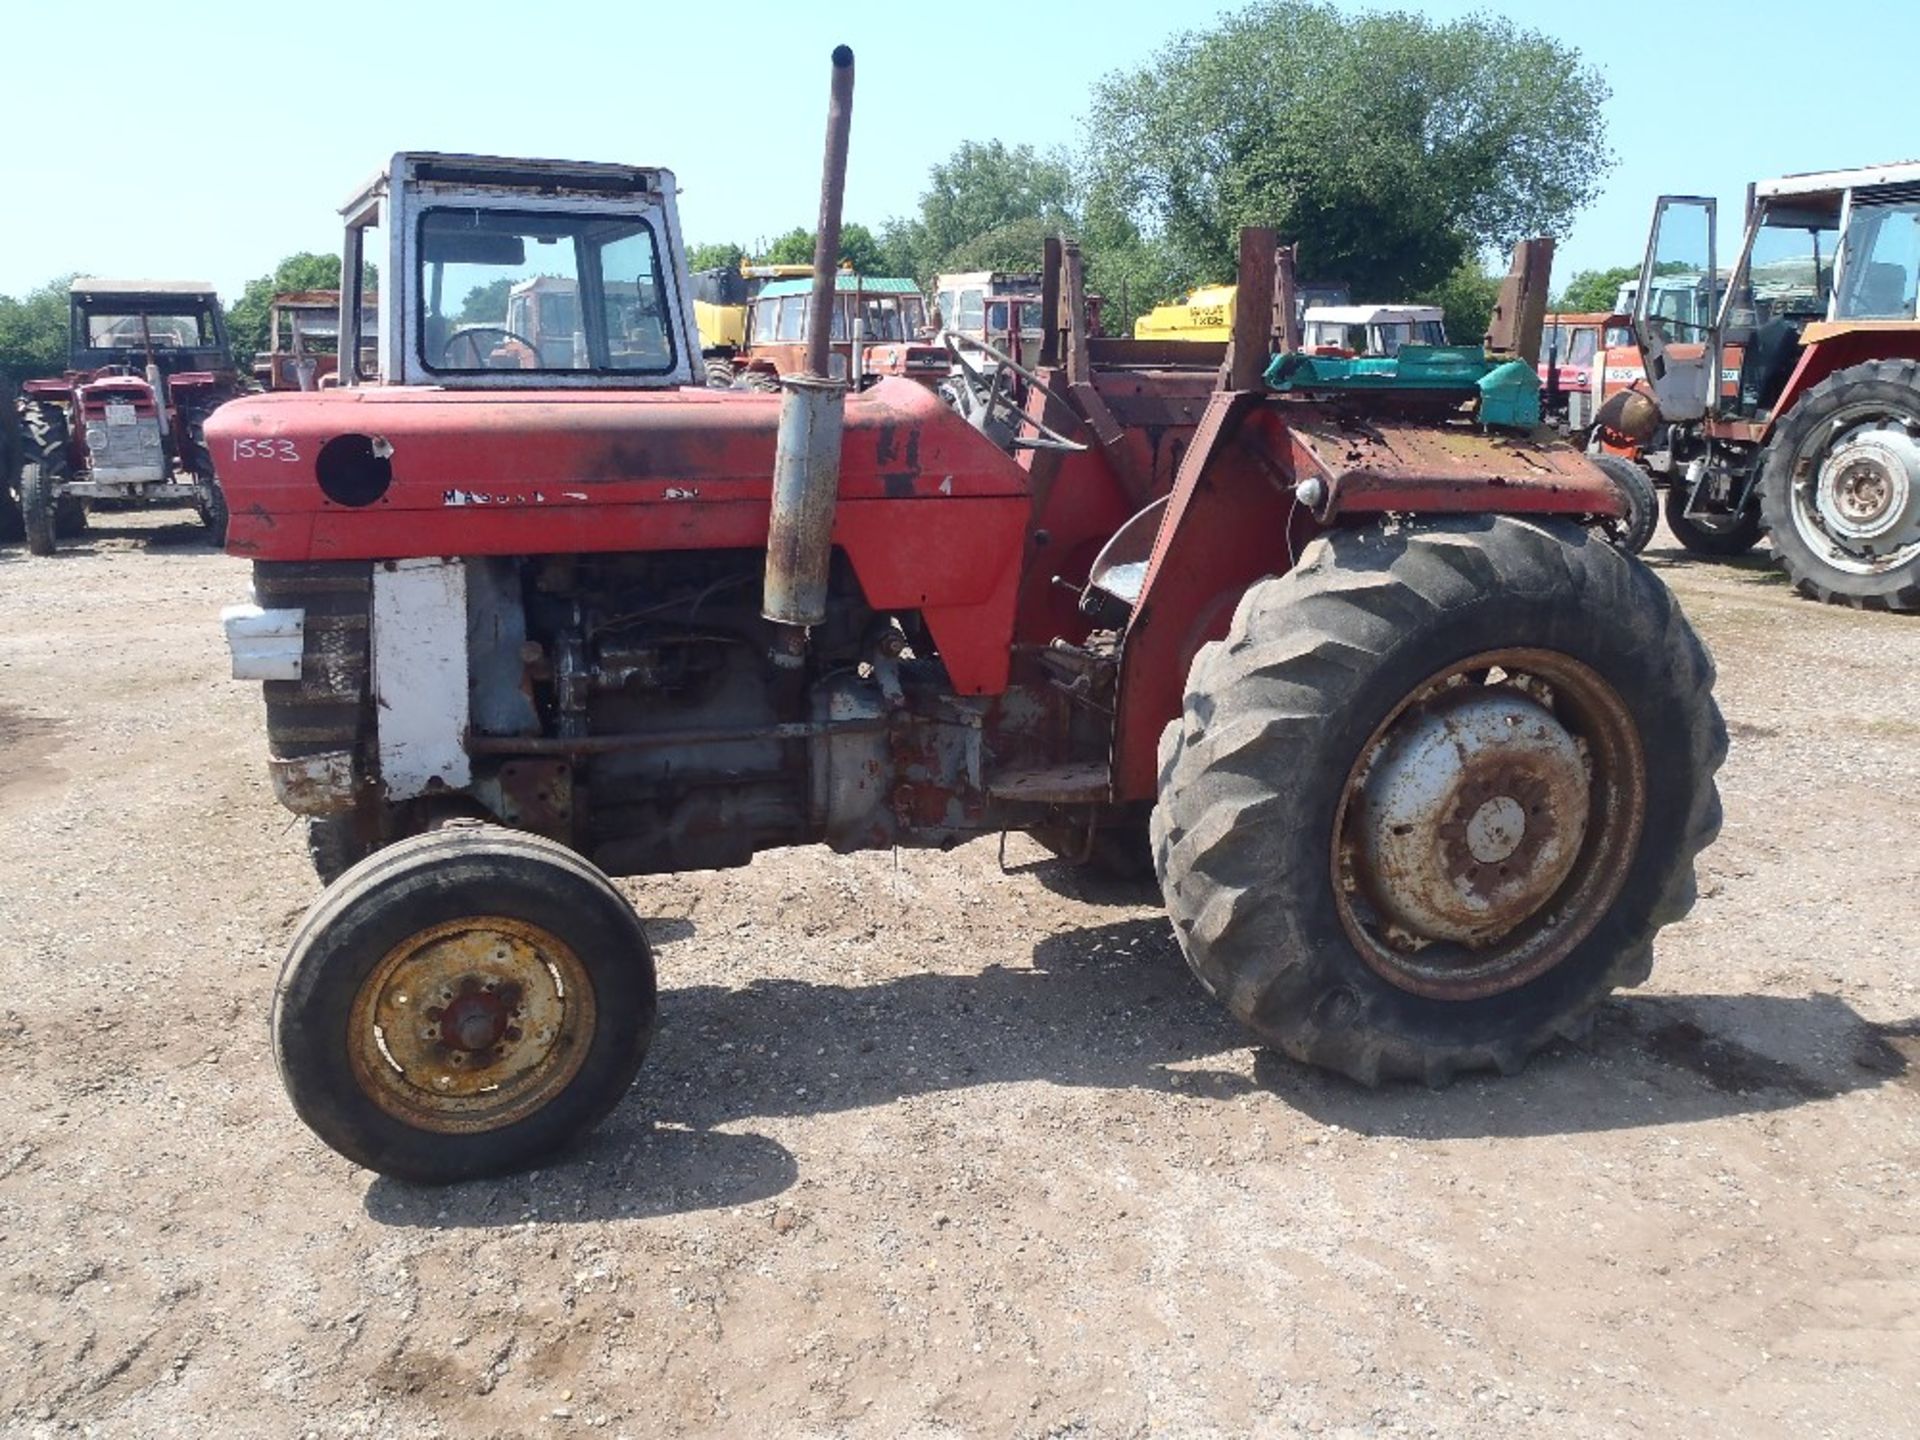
{"x":1782,"y":397}
{"x":148,"y":362}
{"x":1421,"y":762}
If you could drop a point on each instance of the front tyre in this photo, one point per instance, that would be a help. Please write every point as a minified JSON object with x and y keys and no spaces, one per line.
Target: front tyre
{"x":1631,"y":531}
{"x":1840,"y":488}
{"x":1721,"y":534}
{"x":1433,"y":796}
{"x":462,"y":1004}
{"x":38,"y":508}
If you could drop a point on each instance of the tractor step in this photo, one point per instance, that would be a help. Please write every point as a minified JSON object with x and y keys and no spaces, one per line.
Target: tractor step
{"x":1089,"y":784}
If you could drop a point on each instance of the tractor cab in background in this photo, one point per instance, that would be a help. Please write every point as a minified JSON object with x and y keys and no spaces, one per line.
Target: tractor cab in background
{"x":1787,"y":389}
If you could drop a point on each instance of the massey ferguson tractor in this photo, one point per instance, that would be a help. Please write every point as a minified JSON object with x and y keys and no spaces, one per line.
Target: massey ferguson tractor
{"x":1421,"y":761}
{"x":1784,"y":400}
{"x":148,"y":362}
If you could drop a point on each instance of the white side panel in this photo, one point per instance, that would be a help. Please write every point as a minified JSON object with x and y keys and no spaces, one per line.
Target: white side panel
{"x":420,"y":675}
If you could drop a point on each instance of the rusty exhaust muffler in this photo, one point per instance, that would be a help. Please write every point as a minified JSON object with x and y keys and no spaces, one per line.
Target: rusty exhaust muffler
{"x":806,"y":460}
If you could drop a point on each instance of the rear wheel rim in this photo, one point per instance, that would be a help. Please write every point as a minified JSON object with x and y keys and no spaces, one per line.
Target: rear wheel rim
{"x":1488,"y":824}
{"x":1855,"y":502}
{"x":471,"y":1025}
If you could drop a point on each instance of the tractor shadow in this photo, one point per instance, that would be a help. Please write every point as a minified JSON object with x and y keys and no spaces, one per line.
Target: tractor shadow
{"x":1113,"y":1007}
{"x":106,"y":533}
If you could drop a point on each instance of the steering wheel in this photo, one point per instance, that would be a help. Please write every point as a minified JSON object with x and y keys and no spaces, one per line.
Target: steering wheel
{"x":469,"y":336}
{"x":993,"y":396}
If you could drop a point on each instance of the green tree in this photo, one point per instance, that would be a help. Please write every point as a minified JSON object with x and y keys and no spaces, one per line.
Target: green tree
{"x":1467,"y":296}
{"x":486,"y":304}
{"x":721,"y":255}
{"x":1390,"y":147}
{"x":859,"y":247}
{"x":979,"y":190}
{"x":1591,"y":290}
{"x":33,"y":331}
{"x":247,"y":316}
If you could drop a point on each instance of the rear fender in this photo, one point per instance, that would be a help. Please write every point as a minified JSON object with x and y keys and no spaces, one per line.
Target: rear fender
{"x":1236,"y":516}
{"x":1835,"y":345}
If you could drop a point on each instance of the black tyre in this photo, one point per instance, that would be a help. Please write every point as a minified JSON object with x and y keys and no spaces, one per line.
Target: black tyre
{"x":1840,"y":488}
{"x":720,"y":373}
{"x":462,"y":1004}
{"x":1435,"y":793}
{"x":1119,"y":850}
{"x":335,"y":845}
{"x":46,"y":514}
{"x":1632,"y":531}
{"x":12,"y":527}
{"x":1717,"y":535}
{"x":37,"y":506}
{"x":760,"y":380}
{"x":212,"y":507}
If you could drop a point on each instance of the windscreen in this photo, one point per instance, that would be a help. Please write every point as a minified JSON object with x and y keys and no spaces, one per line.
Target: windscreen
{"x":110,"y":325}
{"x":504,"y":290}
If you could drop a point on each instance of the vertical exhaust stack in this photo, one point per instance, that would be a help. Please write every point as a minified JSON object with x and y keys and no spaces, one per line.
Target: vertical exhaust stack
{"x":806,"y":461}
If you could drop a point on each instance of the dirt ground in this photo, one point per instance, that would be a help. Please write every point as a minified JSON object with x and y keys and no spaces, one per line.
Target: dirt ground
{"x":930,"y":1149}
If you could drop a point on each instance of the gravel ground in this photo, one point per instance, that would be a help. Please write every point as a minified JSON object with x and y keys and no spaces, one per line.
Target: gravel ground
{"x":926,"y":1148}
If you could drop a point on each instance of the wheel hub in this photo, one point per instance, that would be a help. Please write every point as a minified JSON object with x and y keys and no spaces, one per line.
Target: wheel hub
{"x":1472,"y":815}
{"x":471,"y":1024}
{"x":1868,"y":488}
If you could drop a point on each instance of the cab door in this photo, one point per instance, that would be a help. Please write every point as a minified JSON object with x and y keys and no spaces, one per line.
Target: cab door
{"x":1673,"y":312}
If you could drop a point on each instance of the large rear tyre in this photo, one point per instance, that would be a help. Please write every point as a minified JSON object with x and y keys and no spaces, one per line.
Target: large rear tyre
{"x":1632,"y":531}
{"x":462,"y":1004}
{"x":1840,"y":488}
{"x":49,"y":515}
{"x":1721,"y":536}
{"x":1433,"y":796}
{"x":720,"y":373}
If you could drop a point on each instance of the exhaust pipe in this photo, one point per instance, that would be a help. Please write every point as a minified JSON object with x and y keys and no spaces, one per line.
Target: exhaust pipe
{"x":806,"y":459}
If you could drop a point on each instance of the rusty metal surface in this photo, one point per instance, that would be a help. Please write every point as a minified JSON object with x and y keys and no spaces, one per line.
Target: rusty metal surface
{"x":806,"y":488}
{"x":1520,"y":310}
{"x":1378,"y":464}
{"x":471,"y":1025}
{"x":833,"y":189}
{"x":1488,"y":824}
{"x":316,"y":785}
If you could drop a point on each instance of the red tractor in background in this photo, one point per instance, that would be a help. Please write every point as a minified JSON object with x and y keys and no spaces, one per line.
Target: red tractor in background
{"x":1420,"y":761}
{"x":148,"y":362}
{"x":1786,"y":402}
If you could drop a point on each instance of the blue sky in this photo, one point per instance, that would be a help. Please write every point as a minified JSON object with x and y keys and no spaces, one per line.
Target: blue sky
{"x":228,"y":134}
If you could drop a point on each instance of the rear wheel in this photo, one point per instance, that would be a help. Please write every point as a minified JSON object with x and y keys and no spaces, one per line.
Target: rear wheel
{"x":1632,"y":531}
{"x":761,"y":380}
{"x":1706,"y":533}
{"x":1840,"y":488}
{"x":1433,"y":796}
{"x":462,"y":1004}
{"x":720,"y":373}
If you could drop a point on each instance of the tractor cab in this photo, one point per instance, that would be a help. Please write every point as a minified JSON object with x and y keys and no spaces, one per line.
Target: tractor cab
{"x":127,"y":325}
{"x":303,"y":340}
{"x":1833,"y":249}
{"x":1371,"y":329}
{"x":516,"y":274}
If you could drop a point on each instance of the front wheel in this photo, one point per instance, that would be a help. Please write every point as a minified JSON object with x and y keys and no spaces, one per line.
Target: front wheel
{"x":1631,"y":531}
{"x":1840,"y":488}
{"x":211,"y":503}
{"x":463,"y":1003}
{"x":1722,"y":535}
{"x":39,"y":508}
{"x":1433,"y":796}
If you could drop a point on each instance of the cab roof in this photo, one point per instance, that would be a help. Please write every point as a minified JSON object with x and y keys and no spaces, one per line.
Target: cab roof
{"x":844,"y":283}
{"x":1820,"y":182}
{"x":97,"y":285}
